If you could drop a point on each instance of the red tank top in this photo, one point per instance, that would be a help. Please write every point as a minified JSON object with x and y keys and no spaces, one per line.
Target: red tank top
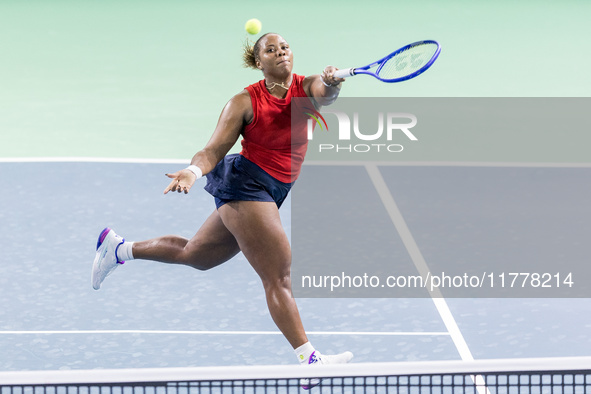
{"x":269,"y":140}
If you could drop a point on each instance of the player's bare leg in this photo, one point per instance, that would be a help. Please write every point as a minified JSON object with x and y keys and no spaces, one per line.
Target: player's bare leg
{"x":211,"y":246}
{"x":257,"y":227}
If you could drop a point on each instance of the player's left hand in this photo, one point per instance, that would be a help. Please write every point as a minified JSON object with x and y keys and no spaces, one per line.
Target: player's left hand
{"x":182,"y":181}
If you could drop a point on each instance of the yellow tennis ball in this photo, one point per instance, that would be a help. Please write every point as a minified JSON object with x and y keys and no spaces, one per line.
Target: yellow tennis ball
{"x":253,"y":26}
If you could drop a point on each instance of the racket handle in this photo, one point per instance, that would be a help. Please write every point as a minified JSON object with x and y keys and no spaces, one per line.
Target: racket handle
{"x":344,"y":73}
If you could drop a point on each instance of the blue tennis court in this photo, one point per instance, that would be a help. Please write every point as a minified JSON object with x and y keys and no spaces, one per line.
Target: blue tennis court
{"x":155,"y":315}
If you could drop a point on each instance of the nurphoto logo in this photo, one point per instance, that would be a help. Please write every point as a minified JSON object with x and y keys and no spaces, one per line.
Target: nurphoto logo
{"x":353,"y":138}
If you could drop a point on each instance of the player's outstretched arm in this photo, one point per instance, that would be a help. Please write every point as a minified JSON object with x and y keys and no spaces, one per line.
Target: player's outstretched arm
{"x":236,"y":114}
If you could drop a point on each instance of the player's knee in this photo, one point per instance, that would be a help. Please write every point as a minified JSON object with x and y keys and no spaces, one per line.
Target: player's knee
{"x":186,"y":257}
{"x":204,"y":261}
{"x":201,"y":263}
{"x":277,"y":282}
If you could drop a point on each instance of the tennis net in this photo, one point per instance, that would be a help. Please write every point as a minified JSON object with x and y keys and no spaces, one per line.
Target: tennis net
{"x":531,"y":376}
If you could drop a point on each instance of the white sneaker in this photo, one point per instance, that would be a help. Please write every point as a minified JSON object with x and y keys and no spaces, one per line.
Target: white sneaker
{"x":105,"y":260}
{"x":323,"y":359}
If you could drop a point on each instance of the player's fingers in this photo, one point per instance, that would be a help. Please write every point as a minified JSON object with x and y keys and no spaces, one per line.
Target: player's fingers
{"x":336,"y":79}
{"x":330,"y":80}
{"x":171,"y":186}
{"x":329,"y":71}
{"x":328,"y":76}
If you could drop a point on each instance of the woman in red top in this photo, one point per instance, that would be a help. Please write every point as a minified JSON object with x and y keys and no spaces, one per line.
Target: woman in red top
{"x":248,"y":189}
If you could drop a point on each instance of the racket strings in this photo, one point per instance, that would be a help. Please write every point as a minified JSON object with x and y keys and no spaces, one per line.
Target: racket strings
{"x":407,"y":62}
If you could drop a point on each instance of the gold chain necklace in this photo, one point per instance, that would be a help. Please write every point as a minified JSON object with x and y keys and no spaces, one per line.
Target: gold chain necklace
{"x":282,"y":85}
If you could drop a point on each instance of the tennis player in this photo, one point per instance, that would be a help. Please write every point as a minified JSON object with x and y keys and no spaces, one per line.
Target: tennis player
{"x":248,"y":189}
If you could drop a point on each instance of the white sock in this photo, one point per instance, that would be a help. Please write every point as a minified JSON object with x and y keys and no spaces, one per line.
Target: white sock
{"x":124,"y":252}
{"x":304,"y":352}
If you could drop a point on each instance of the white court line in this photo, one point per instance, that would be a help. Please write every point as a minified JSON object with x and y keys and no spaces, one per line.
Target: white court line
{"x":172,"y":332}
{"x":123,"y":160}
{"x":166,"y":161}
{"x":418,"y":260}
{"x":423,"y":268}
{"x":91,"y":160}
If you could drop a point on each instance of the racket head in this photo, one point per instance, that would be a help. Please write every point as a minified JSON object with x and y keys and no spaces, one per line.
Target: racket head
{"x":404,"y":63}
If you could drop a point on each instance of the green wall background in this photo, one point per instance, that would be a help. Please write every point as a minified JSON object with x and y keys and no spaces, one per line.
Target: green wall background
{"x":148,"y":79}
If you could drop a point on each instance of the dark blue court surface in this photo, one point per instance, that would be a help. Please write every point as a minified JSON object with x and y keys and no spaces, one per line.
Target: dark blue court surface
{"x":150,"y":314}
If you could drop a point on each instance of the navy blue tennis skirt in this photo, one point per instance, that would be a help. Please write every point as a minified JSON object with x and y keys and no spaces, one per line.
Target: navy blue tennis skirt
{"x":236,"y":178}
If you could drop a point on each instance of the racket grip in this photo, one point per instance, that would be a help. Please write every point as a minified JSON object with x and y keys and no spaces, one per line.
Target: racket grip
{"x":344,"y":73}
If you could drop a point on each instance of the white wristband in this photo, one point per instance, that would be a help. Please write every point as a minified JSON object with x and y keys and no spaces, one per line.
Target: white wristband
{"x":195,"y":170}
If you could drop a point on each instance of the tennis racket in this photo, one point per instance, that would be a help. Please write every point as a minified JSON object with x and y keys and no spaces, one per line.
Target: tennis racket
{"x":402,"y":64}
